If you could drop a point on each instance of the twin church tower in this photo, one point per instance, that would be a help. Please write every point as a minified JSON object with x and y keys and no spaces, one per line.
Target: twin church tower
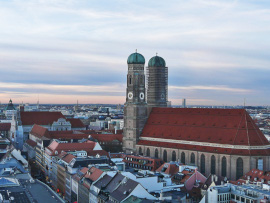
{"x":142,"y":94}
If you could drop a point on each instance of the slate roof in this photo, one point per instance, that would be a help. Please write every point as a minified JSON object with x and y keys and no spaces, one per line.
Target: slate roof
{"x":40,"y":118}
{"x":84,"y":162}
{"x":221,"y":126}
{"x":124,"y":190}
{"x":117,"y":179}
{"x":103,"y":182}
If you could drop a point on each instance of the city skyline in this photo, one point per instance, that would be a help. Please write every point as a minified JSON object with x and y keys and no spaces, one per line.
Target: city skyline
{"x":217,"y":53}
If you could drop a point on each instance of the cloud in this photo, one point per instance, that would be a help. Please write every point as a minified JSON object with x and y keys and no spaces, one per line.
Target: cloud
{"x":216,"y":48}
{"x":214,"y":88}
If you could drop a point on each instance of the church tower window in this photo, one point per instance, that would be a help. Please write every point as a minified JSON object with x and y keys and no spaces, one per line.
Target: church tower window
{"x":202,"y":163}
{"x":165,"y":155}
{"x":213,"y":164}
{"x":224,"y":166}
{"x":239,"y":168}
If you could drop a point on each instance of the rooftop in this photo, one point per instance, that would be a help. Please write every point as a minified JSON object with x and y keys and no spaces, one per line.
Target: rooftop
{"x":190,"y":128}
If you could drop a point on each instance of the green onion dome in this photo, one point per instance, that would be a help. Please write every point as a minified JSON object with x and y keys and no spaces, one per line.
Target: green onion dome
{"x":136,"y":58}
{"x":156,"y":61}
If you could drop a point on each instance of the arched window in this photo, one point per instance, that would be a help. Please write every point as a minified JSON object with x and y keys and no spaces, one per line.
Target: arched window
{"x":173,"y":156}
{"x":156,"y":153}
{"x":202,"y":163}
{"x":192,"y":158}
{"x":140,"y":151}
{"x":165,"y":155}
{"x":183,"y":158}
{"x":239,"y":168}
{"x":260,"y":164}
{"x":148,"y":152}
{"x":224,"y":166}
{"x":213,"y":164}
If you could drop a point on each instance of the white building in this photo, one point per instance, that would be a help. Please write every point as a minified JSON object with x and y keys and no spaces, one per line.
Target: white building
{"x":227,"y":193}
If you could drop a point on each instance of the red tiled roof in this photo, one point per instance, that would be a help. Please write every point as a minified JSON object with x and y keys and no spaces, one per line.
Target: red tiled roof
{"x":68,"y":158}
{"x":39,"y":131}
{"x":107,"y":137}
{"x":93,"y":173}
{"x":170,"y":168}
{"x":5,"y":126}
{"x":84,"y":170}
{"x":76,"y":123}
{"x":31,"y":143}
{"x":59,"y":147}
{"x":222,"y":126}
{"x":40,"y":118}
{"x":255,"y":173}
{"x":138,"y":160}
{"x":95,"y":152}
{"x":68,"y":136}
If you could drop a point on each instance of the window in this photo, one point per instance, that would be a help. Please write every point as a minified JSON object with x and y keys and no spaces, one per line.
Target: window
{"x":173,"y":156}
{"x":239,"y":168}
{"x":140,"y":151}
{"x":260,"y":164}
{"x":130,"y":80}
{"x":202,"y":163}
{"x":148,"y":152}
{"x":213,"y":164}
{"x":156,"y":153}
{"x":224,"y":166}
{"x":192,"y":158}
{"x":183,"y":158}
{"x":165,"y":155}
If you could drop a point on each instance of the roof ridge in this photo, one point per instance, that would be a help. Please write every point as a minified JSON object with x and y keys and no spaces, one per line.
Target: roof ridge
{"x":238,"y":128}
{"x":245,"y":113}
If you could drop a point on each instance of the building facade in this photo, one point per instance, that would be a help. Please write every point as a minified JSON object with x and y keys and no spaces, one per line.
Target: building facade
{"x":225,"y":142}
{"x":157,"y":83}
{"x":135,"y":108}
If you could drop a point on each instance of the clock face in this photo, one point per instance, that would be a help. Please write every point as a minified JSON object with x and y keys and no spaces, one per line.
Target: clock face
{"x":142,"y":95}
{"x":130,"y":95}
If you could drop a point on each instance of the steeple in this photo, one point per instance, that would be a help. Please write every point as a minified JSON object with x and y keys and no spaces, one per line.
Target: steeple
{"x":135,"y":108}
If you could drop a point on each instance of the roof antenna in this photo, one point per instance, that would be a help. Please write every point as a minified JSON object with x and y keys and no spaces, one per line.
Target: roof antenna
{"x":136,"y":50}
{"x":156,"y":53}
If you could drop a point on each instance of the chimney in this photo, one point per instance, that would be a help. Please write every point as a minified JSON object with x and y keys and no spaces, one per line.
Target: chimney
{"x":161,"y":195}
{"x":216,"y":178}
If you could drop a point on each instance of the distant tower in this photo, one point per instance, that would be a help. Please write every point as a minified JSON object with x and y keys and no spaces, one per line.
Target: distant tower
{"x":184,"y":103}
{"x":135,"y":108}
{"x":157,"y":83}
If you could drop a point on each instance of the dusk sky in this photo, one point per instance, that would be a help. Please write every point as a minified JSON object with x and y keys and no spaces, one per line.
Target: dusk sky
{"x":217,"y":52}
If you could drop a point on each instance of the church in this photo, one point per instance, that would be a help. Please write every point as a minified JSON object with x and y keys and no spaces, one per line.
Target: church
{"x":225,"y":142}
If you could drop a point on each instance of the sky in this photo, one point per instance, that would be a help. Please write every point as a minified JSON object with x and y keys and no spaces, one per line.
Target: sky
{"x":61,"y":51}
